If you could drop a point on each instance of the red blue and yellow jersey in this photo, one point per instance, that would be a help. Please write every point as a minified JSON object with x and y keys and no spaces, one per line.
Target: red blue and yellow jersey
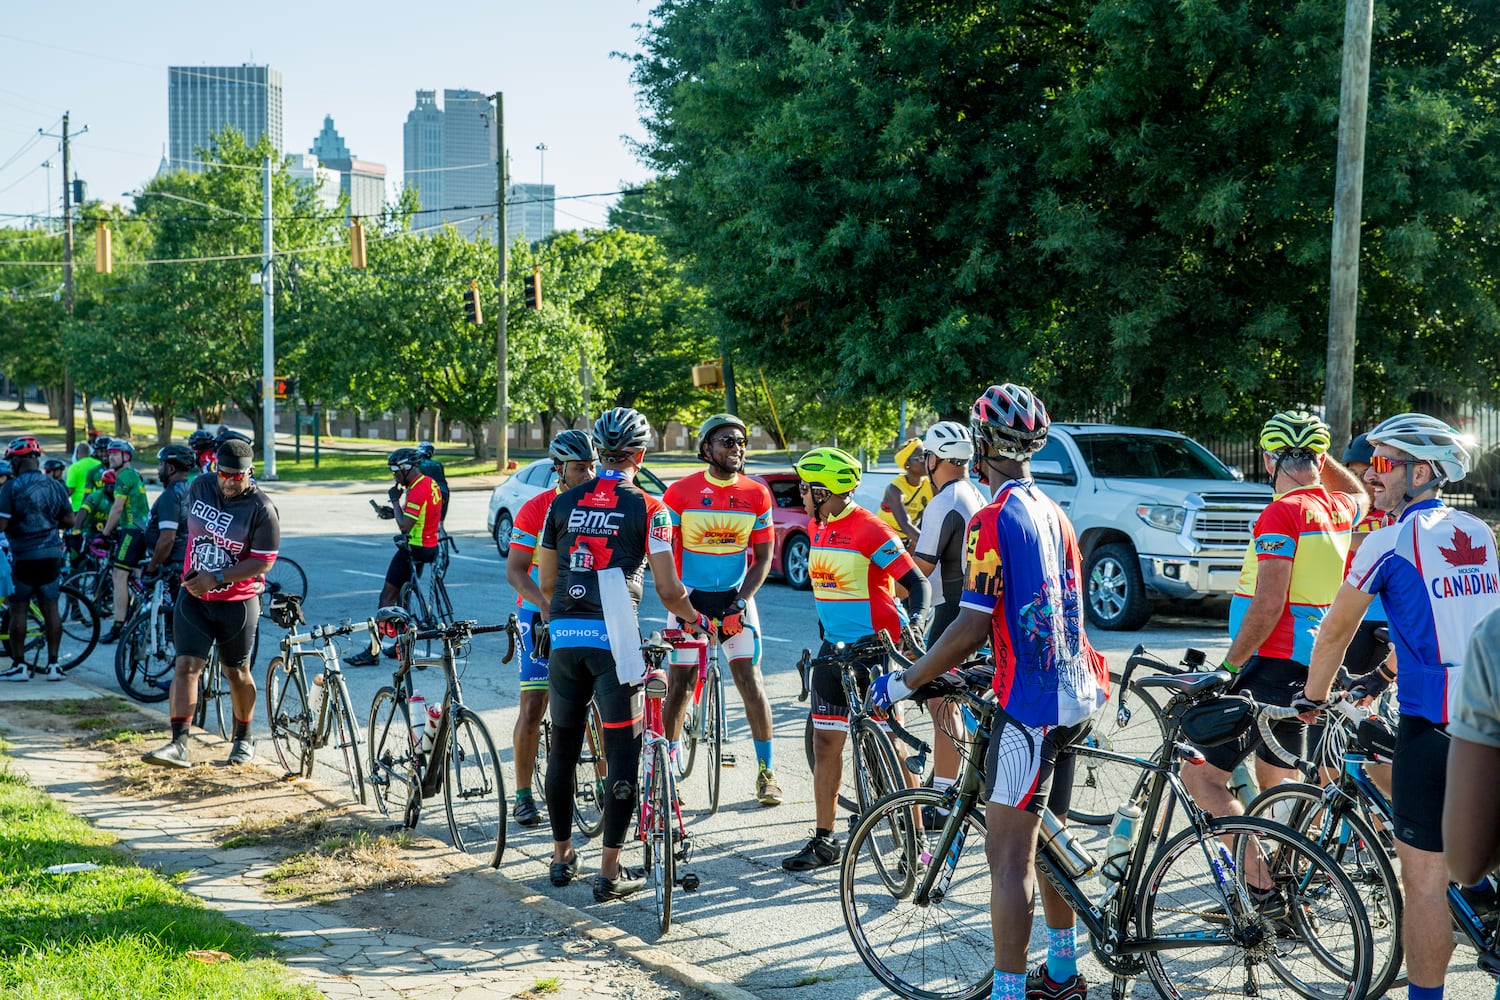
{"x":424,"y":505}
{"x":717,"y":522}
{"x":526,"y":534}
{"x":1311,"y":527}
{"x":854,"y":561}
{"x":1374,"y":520}
{"x":1024,"y":571}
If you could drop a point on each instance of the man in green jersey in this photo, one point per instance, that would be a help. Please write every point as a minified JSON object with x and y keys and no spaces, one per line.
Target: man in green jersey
{"x":125,"y":528}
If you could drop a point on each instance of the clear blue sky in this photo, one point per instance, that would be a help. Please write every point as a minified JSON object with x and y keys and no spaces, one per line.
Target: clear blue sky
{"x":107,"y":63}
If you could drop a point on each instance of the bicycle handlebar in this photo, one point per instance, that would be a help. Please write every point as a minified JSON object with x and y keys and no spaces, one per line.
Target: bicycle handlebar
{"x":512,"y":628}
{"x":320,"y":633}
{"x":1268,"y":715}
{"x":457,"y":631}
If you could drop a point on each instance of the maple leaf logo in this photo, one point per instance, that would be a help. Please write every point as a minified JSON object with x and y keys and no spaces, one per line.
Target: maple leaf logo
{"x":1464,"y":552}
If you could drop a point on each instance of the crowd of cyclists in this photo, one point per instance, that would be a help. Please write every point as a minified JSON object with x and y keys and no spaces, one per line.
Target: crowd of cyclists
{"x":1343,"y":550}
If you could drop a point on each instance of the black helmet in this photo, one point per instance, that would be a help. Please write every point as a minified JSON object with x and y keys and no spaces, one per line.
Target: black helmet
{"x":54,"y":465}
{"x":620,"y":432}
{"x":572,"y":446}
{"x":101,"y":444}
{"x":179,"y":455}
{"x":225,"y":434}
{"x":200,"y":439}
{"x":120,"y":444}
{"x":403,"y":458}
{"x":393,"y":620}
{"x":713,"y":423}
{"x":1359,"y":450}
{"x":425,"y":449}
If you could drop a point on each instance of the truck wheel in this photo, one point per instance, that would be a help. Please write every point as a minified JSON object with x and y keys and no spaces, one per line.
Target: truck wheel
{"x":1117,"y":599}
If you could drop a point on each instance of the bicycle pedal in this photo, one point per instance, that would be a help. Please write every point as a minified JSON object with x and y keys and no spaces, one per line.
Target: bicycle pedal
{"x":683,"y":850}
{"x":689,"y":882}
{"x":727,"y":759}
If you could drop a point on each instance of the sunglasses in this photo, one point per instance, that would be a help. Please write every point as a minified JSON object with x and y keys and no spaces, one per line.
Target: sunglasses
{"x":1380,"y":465}
{"x":234,"y":476}
{"x":730,"y":441}
{"x":806,"y":488}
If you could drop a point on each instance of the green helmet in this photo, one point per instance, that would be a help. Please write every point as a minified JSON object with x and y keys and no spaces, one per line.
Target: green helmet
{"x":831,"y":468}
{"x":1296,"y":429}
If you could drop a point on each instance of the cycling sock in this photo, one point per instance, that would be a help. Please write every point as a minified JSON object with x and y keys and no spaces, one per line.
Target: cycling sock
{"x":674,"y":748}
{"x":1415,"y":992}
{"x":1008,"y":986}
{"x":523,"y":793}
{"x":1062,"y":953}
{"x":763,"y":755}
{"x":822,"y":833}
{"x":180,"y":729}
{"x":241,"y":729}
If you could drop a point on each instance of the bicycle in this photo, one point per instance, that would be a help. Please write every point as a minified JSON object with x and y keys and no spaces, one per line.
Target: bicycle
{"x":214,"y":697}
{"x":80,"y":630}
{"x":298,"y":728}
{"x":659,"y":824}
{"x":703,"y":722}
{"x":144,"y":657}
{"x":1180,"y":912}
{"x":461,"y":758}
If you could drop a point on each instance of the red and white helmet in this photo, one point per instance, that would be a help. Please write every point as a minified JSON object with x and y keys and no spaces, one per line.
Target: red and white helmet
{"x":23,"y":446}
{"x":1011,"y":419}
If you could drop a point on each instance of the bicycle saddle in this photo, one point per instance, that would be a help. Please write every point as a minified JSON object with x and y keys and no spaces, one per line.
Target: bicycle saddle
{"x":656,"y":644}
{"x":1190,"y":685}
{"x":393,"y":620}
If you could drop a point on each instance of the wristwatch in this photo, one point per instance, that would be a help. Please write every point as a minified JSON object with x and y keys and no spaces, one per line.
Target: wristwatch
{"x":218,"y":579}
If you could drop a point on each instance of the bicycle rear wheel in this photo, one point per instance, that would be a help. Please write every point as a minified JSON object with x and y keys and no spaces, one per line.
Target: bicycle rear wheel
{"x":474,"y":789}
{"x":284,"y":577}
{"x":713,"y":735}
{"x":1101,"y":786}
{"x":392,"y":750}
{"x":343,"y":732}
{"x":588,"y":779}
{"x":287,"y":713}
{"x":692,"y":726}
{"x":877,"y":774}
{"x":215,"y":709}
{"x":80,"y":631}
{"x":661,"y":862}
{"x":145,"y":674}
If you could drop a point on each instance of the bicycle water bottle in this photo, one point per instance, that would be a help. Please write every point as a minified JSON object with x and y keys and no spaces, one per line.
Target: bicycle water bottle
{"x":1061,"y":847}
{"x":429,"y":732}
{"x":1122,"y":834}
{"x":418,"y":710}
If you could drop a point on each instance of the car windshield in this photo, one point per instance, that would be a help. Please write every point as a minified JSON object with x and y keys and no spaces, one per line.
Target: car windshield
{"x":1149,"y":456}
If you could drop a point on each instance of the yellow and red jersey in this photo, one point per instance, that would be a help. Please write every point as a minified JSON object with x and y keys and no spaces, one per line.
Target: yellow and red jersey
{"x":854,"y":562}
{"x":717,"y":522}
{"x":526,"y":533}
{"x":424,"y":505}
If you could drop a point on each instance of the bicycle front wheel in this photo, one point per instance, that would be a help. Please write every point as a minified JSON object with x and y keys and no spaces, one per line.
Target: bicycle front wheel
{"x":878,"y":775}
{"x":943,"y":950}
{"x":713,"y":735}
{"x":1309,"y":940}
{"x":588,"y":779}
{"x":143,"y":666}
{"x":287,"y":713}
{"x":1101,"y":786}
{"x":392,"y":750}
{"x":658,"y":823}
{"x":343,"y":733}
{"x":284,"y":577}
{"x":215,"y":709}
{"x":80,"y":627}
{"x":474,"y":789}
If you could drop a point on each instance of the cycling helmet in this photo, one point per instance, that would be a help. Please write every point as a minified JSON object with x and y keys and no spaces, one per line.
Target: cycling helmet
{"x":949,"y":440}
{"x":225,"y":434}
{"x":620,"y":432}
{"x":831,"y":468}
{"x":1359,"y":450}
{"x":100,"y":444}
{"x":54,"y":465}
{"x":393,"y":621}
{"x":425,"y":449}
{"x":120,"y":444}
{"x":1295,"y":430}
{"x":1011,"y":419}
{"x":403,"y":459}
{"x":27,"y":445}
{"x":1428,"y":439}
{"x":200,"y":440}
{"x":713,"y":423}
{"x":109,"y":477}
{"x":5,"y":469}
{"x":179,"y":455}
{"x":572,"y":446}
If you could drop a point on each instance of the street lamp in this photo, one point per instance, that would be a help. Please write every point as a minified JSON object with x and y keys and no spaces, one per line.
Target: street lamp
{"x":541,"y":148}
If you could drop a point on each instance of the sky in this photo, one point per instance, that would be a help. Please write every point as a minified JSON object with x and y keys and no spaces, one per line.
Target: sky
{"x":106,"y":64}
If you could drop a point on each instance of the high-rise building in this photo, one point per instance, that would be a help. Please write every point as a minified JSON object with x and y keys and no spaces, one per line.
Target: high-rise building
{"x":305,"y":169}
{"x":363,"y":181}
{"x":529,"y":211}
{"x":203,"y":100}
{"x":450,"y":162}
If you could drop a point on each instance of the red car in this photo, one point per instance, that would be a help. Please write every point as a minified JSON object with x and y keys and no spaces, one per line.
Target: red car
{"x":790,"y":551}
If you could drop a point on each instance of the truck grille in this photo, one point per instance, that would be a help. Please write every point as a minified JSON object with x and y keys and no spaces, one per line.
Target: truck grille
{"x":1227,"y":520}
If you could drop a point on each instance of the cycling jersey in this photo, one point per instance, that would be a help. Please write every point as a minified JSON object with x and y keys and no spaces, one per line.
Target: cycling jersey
{"x":33,"y":502}
{"x":206,"y":463}
{"x":945,"y":528}
{"x":854,"y":559}
{"x":94,"y":514}
{"x":423,"y":503}
{"x":433,"y":469}
{"x":717,"y":522}
{"x":166,"y":515}
{"x":1311,"y":527}
{"x":913,"y":498}
{"x":1024,"y":572}
{"x":94,"y":478}
{"x":222,"y":531}
{"x":1373,"y":520}
{"x":1436,"y":571}
{"x":526,"y":531}
{"x":128,"y":484}
{"x":76,"y":479}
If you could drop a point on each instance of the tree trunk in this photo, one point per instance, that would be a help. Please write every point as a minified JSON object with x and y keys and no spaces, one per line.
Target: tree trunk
{"x":358,"y":432}
{"x":442,"y":428}
{"x":414,"y":421}
{"x":88,"y":412}
{"x":661,"y":436}
{"x":163,"y":414}
{"x":20,"y":391}
{"x":475,"y":429}
{"x":121,"y":406}
{"x":546,"y":418}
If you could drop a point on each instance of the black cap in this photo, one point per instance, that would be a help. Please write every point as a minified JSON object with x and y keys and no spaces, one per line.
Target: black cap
{"x":234,"y":455}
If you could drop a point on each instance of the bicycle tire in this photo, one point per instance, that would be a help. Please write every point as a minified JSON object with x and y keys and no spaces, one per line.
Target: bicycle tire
{"x":1181,"y":902}
{"x":661,"y":859}
{"x":1351,"y":841}
{"x":284,"y":577}
{"x":846,"y":783}
{"x":213,"y":693}
{"x":1101,"y":786}
{"x":287,"y":714}
{"x":473,"y":788}
{"x":588,"y":779}
{"x":80,"y":631}
{"x":442,"y":604}
{"x":343,"y":730}
{"x":540,"y":759}
{"x":878,"y":775}
{"x":416,"y":605}
{"x":140,"y":672}
{"x":942,"y":951}
{"x":390,"y":744}
{"x":713,"y":735}
{"x":692,"y":726}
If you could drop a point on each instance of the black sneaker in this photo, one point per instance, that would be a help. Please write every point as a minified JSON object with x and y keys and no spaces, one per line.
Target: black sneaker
{"x":820,"y":852}
{"x":629,"y":882}
{"x":526,"y":812}
{"x":1041,"y":986}
{"x":563,"y":872}
{"x":112,"y":636}
{"x":174,"y":754}
{"x":360,"y":659}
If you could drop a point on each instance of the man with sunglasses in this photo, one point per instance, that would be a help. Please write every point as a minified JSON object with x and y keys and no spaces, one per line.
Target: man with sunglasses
{"x":233,"y":534}
{"x":1436,"y":574}
{"x":723,"y":550}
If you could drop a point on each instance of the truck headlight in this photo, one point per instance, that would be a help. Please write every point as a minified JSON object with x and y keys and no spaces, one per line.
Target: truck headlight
{"x":1161,"y":516}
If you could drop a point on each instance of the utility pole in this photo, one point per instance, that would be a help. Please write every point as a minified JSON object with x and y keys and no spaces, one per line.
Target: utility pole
{"x":1343,"y":286}
{"x":69,"y":432}
{"x":502,"y":366}
{"x":267,"y":338}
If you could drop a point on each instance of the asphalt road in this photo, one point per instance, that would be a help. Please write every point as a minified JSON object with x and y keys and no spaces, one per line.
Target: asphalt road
{"x":750,"y":922}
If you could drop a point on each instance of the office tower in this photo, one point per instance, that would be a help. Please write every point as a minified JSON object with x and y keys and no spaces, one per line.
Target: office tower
{"x":529,"y":211}
{"x":363,"y":181}
{"x":305,"y":169}
{"x":203,"y":100}
{"x":450,"y":162}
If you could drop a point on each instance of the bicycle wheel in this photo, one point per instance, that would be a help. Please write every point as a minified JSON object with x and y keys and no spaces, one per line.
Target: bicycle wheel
{"x":287,"y":713}
{"x":442,"y":606}
{"x":80,"y":631}
{"x":474,"y":789}
{"x":661,"y":862}
{"x":144,"y":667}
{"x":215,"y":709}
{"x":1351,"y":841}
{"x":392,"y":750}
{"x":1100,"y":786}
{"x":1310,"y":942}
{"x":343,"y":733}
{"x":713,"y":735}
{"x":943,"y":950}
{"x":692,"y":726}
{"x":416,"y":605}
{"x":877,"y":774}
{"x":588,"y":779}
{"x":284,"y":577}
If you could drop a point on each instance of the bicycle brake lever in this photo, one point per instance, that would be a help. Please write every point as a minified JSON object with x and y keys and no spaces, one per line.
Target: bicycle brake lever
{"x":511,"y":627}
{"x":802,"y":672}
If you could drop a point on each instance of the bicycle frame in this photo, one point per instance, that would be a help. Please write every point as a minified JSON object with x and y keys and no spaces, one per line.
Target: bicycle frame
{"x":292,"y":653}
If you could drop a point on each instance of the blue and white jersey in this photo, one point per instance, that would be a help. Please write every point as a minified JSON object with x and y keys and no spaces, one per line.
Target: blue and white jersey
{"x":1435,"y":570}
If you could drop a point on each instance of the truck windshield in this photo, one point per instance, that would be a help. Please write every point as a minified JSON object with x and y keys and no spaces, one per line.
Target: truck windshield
{"x":1140,"y":456}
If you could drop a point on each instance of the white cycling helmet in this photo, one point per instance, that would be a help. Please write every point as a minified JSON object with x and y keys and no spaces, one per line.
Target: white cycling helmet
{"x":949,"y":440}
{"x":1429,"y":439}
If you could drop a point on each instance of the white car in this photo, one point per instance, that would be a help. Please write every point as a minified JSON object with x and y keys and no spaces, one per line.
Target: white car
{"x":528,"y":481}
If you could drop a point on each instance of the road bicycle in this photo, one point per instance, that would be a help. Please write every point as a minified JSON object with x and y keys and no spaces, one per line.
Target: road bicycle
{"x":659,"y":823}
{"x":284,"y":577}
{"x":306,"y":715}
{"x":1180,"y":911}
{"x":215,"y":710}
{"x":703,"y":722}
{"x":144,"y":656}
{"x":80,"y":630}
{"x":407,"y":766}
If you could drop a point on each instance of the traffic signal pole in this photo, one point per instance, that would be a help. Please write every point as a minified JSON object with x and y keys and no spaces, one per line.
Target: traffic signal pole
{"x":502,"y":390}
{"x":267,"y":340}
{"x":69,"y":431}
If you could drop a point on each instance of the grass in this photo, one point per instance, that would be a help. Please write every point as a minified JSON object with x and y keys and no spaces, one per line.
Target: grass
{"x":340,"y":855}
{"x":545,"y":985}
{"x":119,"y":931}
{"x":98,"y":717}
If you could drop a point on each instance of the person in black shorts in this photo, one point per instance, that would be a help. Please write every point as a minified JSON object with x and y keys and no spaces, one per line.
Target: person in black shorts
{"x":165,"y":539}
{"x":233,"y":534}
{"x":33,"y":506}
{"x":596,"y":542}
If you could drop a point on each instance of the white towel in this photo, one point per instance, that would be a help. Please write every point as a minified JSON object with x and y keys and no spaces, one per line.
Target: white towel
{"x":621,"y":625}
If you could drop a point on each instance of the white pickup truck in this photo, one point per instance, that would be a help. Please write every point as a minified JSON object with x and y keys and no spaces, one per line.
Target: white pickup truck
{"x":1157,"y":515}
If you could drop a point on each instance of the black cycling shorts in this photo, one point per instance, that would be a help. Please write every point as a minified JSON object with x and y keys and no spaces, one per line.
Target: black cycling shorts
{"x":1273,"y":681}
{"x":1419,"y":782}
{"x":577,"y":675}
{"x":830,"y":709}
{"x":39,"y":578}
{"x":399,"y":571}
{"x":130,"y":548}
{"x":197,"y":624}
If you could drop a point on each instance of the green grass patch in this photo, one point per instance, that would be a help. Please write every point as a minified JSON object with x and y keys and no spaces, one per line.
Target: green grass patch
{"x":87,"y":707}
{"x":545,"y":985}
{"x":118,"y":931}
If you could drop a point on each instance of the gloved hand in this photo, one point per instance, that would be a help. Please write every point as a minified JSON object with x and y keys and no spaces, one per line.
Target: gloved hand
{"x":888,"y":689}
{"x":1307,"y":708}
{"x":394,"y":493}
{"x":700,"y":627}
{"x":1370,"y":685}
{"x":541,"y":641}
{"x":733,"y":623}
{"x":386,"y":513}
{"x":1236,"y":677}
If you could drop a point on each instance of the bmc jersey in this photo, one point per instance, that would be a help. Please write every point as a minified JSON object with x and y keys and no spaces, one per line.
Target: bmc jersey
{"x":1310,"y":527}
{"x":222,"y":531}
{"x":854,"y":558}
{"x":423,"y":503}
{"x":526,"y":532}
{"x":1436,"y":573}
{"x":717,"y":522}
{"x":1024,"y":573}
{"x":128,"y":484}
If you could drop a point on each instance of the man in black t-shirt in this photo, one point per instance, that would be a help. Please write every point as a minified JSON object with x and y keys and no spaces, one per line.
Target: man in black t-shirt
{"x":165,"y":539}
{"x":33,"y":506}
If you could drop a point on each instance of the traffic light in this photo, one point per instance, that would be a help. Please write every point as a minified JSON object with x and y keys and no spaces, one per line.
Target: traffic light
{"x":285,"y":387}
{"x":104,"y":258}
{"x":356,"y":244}
{"x":472,"y":309}
{"x":533,"y":286}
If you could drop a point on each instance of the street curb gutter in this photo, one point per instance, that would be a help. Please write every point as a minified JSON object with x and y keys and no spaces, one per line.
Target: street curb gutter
{"x":650,"y":956}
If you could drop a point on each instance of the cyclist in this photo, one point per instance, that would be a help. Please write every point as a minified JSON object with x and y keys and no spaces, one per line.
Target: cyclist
{"x":573,"y":460}
{"x":233,"y":534}
{"x":904,"y":499}
{"x":33,"y":506}
{"x":164,"y":541}
{"x":124,"y":529}
{"x":417,"y":515}
{"x":1435,"y":572}
{"x":855,"y":559}
{"x":100,"y":453}
{"x":1471,"y":810}
{"x":433,"y":469}
{"x":201,"y":441}
{"x":1022,"y":594}
{"x":53,"y":469}
{"x":722,"y":545}
{"x":595,"y":545}
{"x":94,"y":514}
{"x":1366,"y":651}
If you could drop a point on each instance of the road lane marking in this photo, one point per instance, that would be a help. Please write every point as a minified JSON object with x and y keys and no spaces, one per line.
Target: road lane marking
{"x":488,"y":562}
{"x":363,"y":541}
{"x":360,"y":572}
